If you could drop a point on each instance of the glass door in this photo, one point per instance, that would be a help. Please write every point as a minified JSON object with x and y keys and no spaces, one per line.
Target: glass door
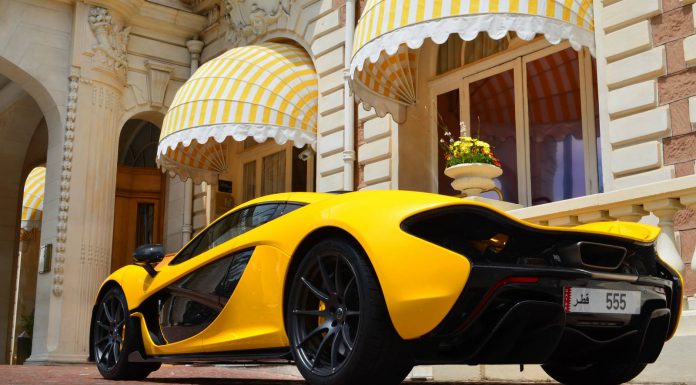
{"x":491,"y":111}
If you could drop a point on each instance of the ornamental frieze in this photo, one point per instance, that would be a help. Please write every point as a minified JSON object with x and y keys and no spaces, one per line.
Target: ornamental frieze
{"x":248,"y":19}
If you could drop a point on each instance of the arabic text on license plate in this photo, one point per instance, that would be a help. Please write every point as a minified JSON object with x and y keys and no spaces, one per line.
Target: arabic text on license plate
{"x":585,"y":300}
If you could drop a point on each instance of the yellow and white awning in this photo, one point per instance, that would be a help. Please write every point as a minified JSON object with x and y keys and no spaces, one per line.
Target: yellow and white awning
{"x":389,"y":32}
{"x":32,"y":201}
{"x":262,"y":91}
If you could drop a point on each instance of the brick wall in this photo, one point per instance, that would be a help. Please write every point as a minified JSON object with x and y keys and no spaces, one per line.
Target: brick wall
{"x":648,"y":51}
{"x":675,"y":29}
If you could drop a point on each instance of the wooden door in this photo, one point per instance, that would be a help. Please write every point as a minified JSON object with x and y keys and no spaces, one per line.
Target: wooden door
{"x":138,"y":213}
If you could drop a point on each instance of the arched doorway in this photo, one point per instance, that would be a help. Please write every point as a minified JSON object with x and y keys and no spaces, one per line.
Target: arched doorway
{"x":25,"y":142}
{"x":139,"y":208}
{"x":27,"y":265}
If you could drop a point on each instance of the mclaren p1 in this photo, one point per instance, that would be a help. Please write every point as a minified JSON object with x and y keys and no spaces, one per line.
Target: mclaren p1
{"x":357,"y":288}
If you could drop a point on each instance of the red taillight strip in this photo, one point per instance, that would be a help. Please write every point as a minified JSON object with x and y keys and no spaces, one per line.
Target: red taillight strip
{"x":492,"y":291}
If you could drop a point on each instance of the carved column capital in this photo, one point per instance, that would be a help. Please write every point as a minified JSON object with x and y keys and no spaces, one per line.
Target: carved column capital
{"x":110,"y":52}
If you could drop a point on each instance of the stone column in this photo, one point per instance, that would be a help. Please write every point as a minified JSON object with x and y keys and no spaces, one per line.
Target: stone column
{"x":690,"y":202}
{"x":667,"y":246}
{"x":195,"y":47}
{"x":82,"y":254}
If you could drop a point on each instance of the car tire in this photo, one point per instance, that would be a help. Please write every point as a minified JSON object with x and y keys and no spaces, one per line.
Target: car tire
{"x":600,"y":373}
{"x":337,"y":321}
{"x":114,"y":336}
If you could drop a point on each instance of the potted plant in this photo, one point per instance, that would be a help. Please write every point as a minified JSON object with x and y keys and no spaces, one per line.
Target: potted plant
{"x":470,"y":162}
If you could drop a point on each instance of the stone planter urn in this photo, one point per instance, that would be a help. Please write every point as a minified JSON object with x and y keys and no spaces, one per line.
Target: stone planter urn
{"x":473,"y":178}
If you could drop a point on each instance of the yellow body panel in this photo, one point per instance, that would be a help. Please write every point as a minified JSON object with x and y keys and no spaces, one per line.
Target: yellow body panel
{"x":420,"y":280}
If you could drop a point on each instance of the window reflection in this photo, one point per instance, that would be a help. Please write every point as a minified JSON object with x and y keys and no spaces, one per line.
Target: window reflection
{"x":448,"y":114}
{"x":555,"y":128}
{"x":145,"y":224}
{"x":492,"y":116}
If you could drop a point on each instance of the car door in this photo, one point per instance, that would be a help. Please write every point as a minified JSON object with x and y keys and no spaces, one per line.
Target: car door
{"x":210,"y":267}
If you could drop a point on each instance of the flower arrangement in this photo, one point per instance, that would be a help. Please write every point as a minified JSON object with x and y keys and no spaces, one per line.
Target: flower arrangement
{"x":465,"y":149}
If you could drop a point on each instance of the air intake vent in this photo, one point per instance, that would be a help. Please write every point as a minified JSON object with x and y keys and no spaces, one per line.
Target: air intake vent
{"x":593,"y":255}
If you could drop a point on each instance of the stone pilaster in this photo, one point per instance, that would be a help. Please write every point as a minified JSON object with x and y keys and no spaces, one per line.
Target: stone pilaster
{"x":87,"y":192}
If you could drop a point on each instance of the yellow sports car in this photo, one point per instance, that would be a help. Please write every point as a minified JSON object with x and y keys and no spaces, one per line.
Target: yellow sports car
{"x":356,"y":288}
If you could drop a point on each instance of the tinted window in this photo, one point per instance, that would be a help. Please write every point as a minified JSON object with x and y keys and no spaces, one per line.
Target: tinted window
{"x":189,"y":305}
{"x":290,"y":207}
{"x":234,"y":224}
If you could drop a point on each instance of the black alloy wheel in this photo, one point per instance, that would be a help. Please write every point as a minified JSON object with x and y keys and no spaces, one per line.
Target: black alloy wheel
{"x":339,"y":330}
{"x":109,"y":332}
{"x":326,"y":314}
{"x":114,"y":337}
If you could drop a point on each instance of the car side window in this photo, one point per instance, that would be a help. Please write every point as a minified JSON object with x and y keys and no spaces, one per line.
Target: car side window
{"x":234,"y":224}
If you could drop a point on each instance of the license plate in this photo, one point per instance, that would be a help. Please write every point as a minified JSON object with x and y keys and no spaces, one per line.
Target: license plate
{"x":585,"y":300}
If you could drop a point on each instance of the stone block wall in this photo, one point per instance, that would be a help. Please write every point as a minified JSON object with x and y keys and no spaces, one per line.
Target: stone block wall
{"x":376,"y":151}
{"x":646,"y":51}
{"x":646,"y":62}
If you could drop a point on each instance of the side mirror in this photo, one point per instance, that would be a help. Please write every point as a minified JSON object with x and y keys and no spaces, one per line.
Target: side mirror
{"x":148,"y":255}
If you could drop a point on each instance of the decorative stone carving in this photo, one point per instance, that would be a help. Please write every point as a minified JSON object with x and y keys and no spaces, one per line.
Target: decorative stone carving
{"x":65,"y":176}
{"x":213,"y":15}
{"x":249,"y":19}
{"x":94,"y":264}
{"x":158,"y":76}
{"x":112,"y":41}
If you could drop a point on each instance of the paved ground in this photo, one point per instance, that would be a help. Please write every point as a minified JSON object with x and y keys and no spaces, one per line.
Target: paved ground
{"x":187,"y":375}
{"x":171,"y":375}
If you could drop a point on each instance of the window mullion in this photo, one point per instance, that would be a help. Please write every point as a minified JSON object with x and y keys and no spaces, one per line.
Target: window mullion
{"x":522,"y":133}
{"x":588,"y":122}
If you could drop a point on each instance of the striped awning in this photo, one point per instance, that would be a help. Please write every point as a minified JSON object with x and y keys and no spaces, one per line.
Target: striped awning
{"x":389,"y":33}
{"x":262,"y":91}
{"x":32,"y":201}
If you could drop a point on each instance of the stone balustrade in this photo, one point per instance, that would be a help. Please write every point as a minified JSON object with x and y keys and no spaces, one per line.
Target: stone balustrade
{"x":661,"y":199}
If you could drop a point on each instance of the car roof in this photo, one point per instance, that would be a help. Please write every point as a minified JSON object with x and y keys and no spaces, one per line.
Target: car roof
{"x":301,"y":197}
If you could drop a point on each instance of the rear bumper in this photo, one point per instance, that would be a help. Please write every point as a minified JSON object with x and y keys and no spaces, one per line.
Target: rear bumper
{"x":515,"y":315}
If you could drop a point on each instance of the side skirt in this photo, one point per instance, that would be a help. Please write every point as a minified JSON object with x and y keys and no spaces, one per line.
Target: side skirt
{"x":260,"y":356}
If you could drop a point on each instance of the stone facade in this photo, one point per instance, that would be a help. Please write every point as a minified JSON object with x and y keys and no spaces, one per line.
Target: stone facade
{"x":82,"y":70}
{"x":646,"y":52}
{"x":73,"y":73}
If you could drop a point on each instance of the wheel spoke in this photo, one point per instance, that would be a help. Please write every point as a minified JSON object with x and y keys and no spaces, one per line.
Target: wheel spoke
{"x":337,"y":277}
{"x":107,"y":352}
{"x":114,"y":308}
{"x":118,"y":316}
{"x":101,"y":325}
{"x":321,"y":347}
{"x":345,"y":333}
{"x":107,"y":313}
{"x":117,"y":348}
{"x":105,"y":338}
{"x":100,"y":354}
{"x":317,"y":293}
{"x":312,"y":313}
{"x":314,"y":332}
{"x":350,"y":283}
{"x":352,"y":313}
{"x":334,"y":348}
{"x":326,"y":282}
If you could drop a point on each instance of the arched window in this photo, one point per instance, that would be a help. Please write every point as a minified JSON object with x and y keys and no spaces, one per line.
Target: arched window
{"x":141,"y":149}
